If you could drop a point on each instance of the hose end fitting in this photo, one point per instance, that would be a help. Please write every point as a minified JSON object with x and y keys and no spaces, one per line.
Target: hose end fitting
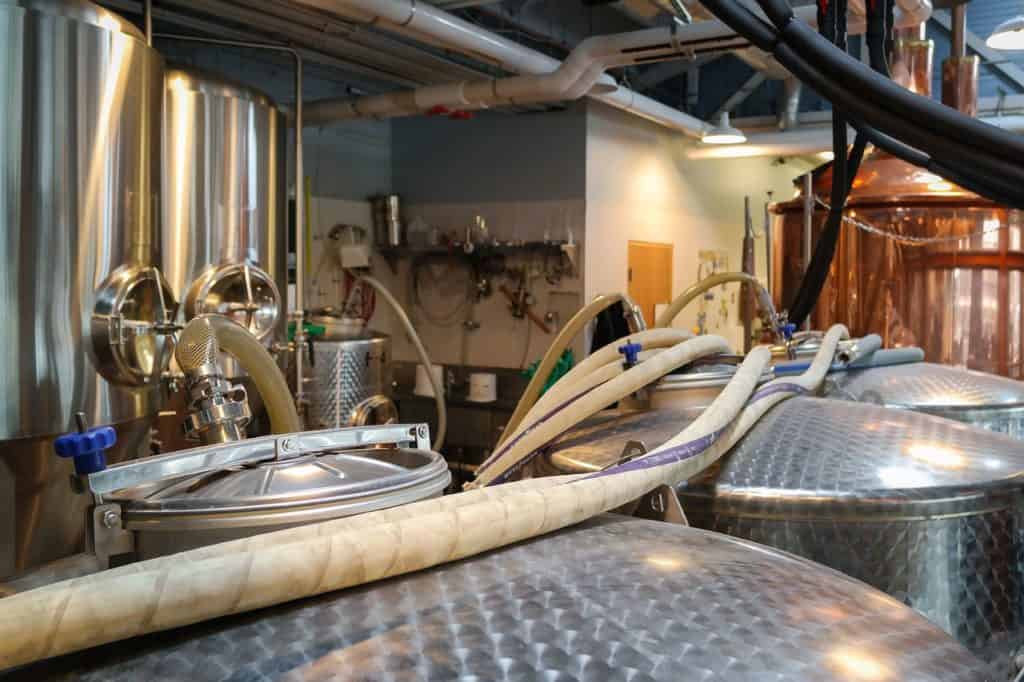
{"x":630,"y":353}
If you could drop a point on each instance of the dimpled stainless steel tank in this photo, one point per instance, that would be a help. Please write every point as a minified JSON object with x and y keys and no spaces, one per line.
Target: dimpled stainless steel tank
{"x":984,"y":400}
{"x":83,"y":305}
{"x":614,"y":599}
{"x":926,"y":509}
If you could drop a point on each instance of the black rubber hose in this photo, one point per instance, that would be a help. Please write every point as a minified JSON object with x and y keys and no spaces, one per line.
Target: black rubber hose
{"x":745,"y":23}
{"x":887,"y":94}
{"x":841,"y":66}
{"x":951,"y":151}
{"x":780,"y":13}
{"x":915,"y":157}
{"x":831,"y":21}
{"x":994,"y":185}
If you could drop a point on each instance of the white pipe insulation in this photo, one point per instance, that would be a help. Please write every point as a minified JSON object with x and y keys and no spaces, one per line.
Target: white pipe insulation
{"x":541,"y":77}
{"x":580,"y":74}
{"x":421,"y":21}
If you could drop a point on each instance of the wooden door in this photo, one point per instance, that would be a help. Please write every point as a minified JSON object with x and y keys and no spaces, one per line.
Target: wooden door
{"x":650,"y":276}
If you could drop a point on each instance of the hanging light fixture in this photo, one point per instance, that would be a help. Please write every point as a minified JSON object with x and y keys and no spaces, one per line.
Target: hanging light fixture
{"x":1008,"y":35}
{"x":724,"y":133}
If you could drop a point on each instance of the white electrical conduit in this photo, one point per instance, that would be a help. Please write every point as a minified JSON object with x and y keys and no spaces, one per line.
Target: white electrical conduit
{"x":602,"y":365}
{"x":442,"y":409}
{"x":184,"y":589}
{"x":423,"y":22}
{"x":517,"y":451}
{"x":581,"y":73}
{"x":554,"y":352}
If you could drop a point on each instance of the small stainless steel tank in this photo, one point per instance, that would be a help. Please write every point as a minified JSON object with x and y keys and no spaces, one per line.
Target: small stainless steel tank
{"x":347,"y":377}
{"x":224,"y":215}
{"x":82,"y":301}
{"x":614,"y":598}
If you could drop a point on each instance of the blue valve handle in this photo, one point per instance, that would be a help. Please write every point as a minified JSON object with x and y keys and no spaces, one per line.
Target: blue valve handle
{"x":87,"y":448}
{"x":788,"y":330}
{"x":631,"y":351}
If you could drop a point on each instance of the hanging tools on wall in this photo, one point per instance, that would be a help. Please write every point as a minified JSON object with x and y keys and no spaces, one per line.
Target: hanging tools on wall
{"x":521,"y":301}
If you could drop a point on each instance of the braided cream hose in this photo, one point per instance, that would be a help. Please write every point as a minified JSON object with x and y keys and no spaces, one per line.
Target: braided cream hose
{"x":550,"y":359}
{"x":652,"y":340}
{"x":518,"y":450}
{"x":265,"y":571}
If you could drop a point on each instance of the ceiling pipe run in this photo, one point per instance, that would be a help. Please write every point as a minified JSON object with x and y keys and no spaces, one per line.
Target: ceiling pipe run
{"x":431,"y":25}
{"x":580,"y":74}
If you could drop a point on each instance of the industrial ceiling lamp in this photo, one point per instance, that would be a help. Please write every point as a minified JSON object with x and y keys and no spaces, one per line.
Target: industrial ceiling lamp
{"x":1008,"y":35}
{"x":724,"y":133}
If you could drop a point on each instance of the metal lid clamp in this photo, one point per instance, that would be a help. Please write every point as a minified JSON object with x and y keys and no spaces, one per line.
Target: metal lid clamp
{"x":209,"y":458}
{"x":110,"y":533}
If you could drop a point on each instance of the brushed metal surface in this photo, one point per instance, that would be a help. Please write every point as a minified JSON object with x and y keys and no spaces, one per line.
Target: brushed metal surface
{"x":204,"y":510}
{"x":79,"y":122}
{"x":926,"y":509}
{"x":613,"y":599}
{"x":225,"y":202}
{"x":985,"y":400}
{"x":79,"y":157}
{"x":41,"y":519}
{"x":344,"y":374}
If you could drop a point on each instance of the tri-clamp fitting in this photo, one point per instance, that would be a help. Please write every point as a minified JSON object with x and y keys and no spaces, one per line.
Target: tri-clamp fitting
{"x":218,"y":410}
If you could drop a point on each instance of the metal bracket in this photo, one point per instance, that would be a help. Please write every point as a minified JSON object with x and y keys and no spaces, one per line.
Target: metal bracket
{"x":215,"y":457}
{"x":661,"y":504}
{"x":631,"y":450}
{"x":109,"y":537}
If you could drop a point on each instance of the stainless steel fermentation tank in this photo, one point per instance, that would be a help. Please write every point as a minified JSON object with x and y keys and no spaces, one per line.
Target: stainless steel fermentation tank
{"x":987,"y":401}
{"x":926,"y":509}
{"x":224,"y":247}
{"x":84,"y":307}
{"x":613,"y":598}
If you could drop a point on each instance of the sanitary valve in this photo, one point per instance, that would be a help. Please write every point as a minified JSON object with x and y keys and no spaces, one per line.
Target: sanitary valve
{"x":87,"y":447}
{"x":631,"y":351}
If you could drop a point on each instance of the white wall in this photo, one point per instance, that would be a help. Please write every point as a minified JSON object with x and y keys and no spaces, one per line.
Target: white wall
{"x":640,"y":186}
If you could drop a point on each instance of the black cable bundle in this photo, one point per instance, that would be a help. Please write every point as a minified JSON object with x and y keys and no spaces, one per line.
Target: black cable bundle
{"x":977,"y":156}
{"x":832,"y":25}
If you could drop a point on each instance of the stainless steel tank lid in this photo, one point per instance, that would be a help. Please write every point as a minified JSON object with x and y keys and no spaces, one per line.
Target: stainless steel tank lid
{"x":814,"y":456}
{"x":614,"y":598}
{"x":304,"y":489}
{"x":79,"y":10}
{"x":927,"y":386}
{"x":193,"y":79}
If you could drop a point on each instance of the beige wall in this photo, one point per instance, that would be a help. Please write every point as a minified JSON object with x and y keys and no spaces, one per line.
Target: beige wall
{"x":502,"y":340}
{"x":640,"y":186}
